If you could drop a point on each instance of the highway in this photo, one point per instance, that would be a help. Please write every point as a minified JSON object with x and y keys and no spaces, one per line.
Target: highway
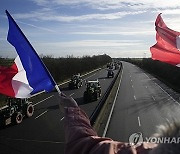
{"x":44,"y":132}
{"x":142,"y":104}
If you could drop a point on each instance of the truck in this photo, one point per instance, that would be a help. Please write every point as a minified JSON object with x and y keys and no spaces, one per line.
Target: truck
{"x":15,"y":110}
{"x":93,"y":91}
{"x":76,"y":81}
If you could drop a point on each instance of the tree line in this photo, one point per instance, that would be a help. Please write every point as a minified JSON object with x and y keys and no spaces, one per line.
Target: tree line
{"x":63,"y":68}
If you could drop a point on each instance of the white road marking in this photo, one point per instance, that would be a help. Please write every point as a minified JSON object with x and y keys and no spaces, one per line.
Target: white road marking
{"x":146,"y":75}
{"x":134,"y":97}
{"x":153,"y":98}
{"x":163,"y":90}
{"x":41,"y":114}
{"x":54,"y":142}
{"x":167,"y":120}
{"x":43,"y":100}
{"x":90,"y":76}
{"x":131,"y":80}
{"x":71,"y":94}
{"x":167,"y":94}
{"x":132,"y":86}
{"x":139,"y":122}
{"x":62,"y":118}
{"x":111,"y":112}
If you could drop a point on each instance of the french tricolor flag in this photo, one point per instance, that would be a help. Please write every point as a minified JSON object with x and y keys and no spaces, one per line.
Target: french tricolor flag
{"x":28,"y":75}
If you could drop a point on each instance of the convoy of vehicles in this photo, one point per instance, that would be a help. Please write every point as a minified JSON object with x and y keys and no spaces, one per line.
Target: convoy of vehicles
{"x":15,"y":110}
{"x":113,"y":66}
{"x":75,"y":82}
{"x":93,"y":91}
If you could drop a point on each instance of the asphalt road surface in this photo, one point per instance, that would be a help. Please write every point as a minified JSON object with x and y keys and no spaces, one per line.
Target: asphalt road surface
{"x":44,"y":132}
{"x":141,"y":105}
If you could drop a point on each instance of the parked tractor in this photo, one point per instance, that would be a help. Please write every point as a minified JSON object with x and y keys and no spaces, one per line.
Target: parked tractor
{"x":15,"y":110}
{"x":76,"y":82}
{"x":93,"y":91}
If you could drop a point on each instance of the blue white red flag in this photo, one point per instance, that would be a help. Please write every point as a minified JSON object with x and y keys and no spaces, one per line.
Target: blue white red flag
{"x":30,"y":74}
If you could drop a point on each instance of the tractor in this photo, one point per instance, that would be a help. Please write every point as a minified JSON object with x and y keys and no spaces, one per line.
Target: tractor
{"x":110,"y":73}
{"x":93,"y":91}
{"x":76,"y":82}
{"x":15,"y":110}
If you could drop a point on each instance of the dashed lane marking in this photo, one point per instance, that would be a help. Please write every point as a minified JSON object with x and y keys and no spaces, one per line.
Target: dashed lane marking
{"x":41,"y":114}
{"x":90,"y":76}
{"x":43,"y":100}
{"x":153,"y":98}
{"x":62,"y":118}
{"x":139,"y":122}
{"x":71,"y":94}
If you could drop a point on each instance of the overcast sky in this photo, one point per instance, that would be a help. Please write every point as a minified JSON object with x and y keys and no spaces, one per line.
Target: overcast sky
{"x":119,"y":28}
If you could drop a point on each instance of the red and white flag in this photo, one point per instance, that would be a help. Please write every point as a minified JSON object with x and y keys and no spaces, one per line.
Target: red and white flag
{"x":167,"y":48}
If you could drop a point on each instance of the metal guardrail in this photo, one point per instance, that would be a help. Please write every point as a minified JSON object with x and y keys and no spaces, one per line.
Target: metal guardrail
{"x":98,"y":108}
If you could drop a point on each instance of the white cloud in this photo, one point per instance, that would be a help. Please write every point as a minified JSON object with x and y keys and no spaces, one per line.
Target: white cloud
{"x":170,"y":11}
{"x":90,"y":47}
{"x":139,"y":32}
{"x":114,"y":4}
{"x":94,"y":43}
{"x":49,"y":16}
{"x":170,"y":17}
{"x":102,"y":23}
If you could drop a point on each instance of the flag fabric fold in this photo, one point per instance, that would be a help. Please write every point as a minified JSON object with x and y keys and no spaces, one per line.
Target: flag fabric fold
{"x":28,"y":75}
{"x":6,"y":75}
{"x":167,"y":48}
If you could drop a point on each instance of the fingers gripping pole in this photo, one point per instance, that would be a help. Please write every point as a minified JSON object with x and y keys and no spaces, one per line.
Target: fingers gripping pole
{"x":58,"y":90}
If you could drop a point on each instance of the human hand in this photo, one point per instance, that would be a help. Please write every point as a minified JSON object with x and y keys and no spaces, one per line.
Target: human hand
{"x":66,"y":101}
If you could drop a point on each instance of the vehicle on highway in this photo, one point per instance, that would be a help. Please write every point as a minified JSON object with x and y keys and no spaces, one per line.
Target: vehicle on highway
{"x":76,"y":81}
{"x":15,"y":110}
{"x":110,"y":65}
{"x":93,"y":91}
{"x":110,"y":73}
{"x":117,"y":66}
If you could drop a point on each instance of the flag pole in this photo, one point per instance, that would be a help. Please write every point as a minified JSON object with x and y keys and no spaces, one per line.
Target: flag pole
{"x":58,"y":90}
